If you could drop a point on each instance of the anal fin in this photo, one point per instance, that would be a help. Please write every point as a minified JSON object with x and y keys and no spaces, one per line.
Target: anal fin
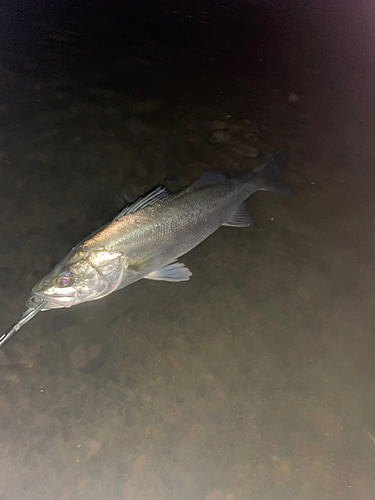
{"x":239,"y":218}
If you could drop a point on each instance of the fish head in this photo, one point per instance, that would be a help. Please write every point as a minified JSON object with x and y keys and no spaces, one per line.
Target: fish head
{"x":80,"y":277}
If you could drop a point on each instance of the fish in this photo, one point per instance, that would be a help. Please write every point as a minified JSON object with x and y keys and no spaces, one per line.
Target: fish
{"x":146,"y":239}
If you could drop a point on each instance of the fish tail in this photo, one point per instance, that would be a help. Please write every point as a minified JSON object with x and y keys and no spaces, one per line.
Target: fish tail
{"x":267,"y":177}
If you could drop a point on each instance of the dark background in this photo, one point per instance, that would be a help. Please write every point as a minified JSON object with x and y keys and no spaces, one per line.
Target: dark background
{"x":335,"y":37}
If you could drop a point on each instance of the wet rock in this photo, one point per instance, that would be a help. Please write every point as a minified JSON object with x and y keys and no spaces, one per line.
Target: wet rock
{"x":113,"y":321}
{"x":244,"y":368}
{"x":216,"y":417}
{"x":94,"y":365}
{"x":41,"y":447}
{"x":87,"y":359}
{"x":167,"y":478}
{"x":62,"y":414}
{"x":78,"y":356}
{"x":182,"y":322}
{"x":293,"y":97}
{"x":122,"y":471}
{"x":179,"y":359}
{"x":28,"y":483}
{"x":57,"y":203}
{"x":201,"y":391}
{"x":147,"y":107}
{"x":7,"y":75}
{"x":239,"y":424}
{"x":95,"y":471}
{"x":62,"y":321}
{"x":12,"y":355}
{"x":3,"y":358}
{"x":115,"y":378}
{"x":173,"y":183}
{"x":130,"y":381}
{"x":5,"y":275}
{"x":247,"y":122}
{"x":25,"y":462}
{"x":126,"y":311}
{"x":78,"y":404}
{"x":219,"y":137}
{"x":67,"y":433}
{"x":244,"y":126}
{"x":5,"y":423}
{"x":27,"y":417}
{"x":248,"y":134}
{"x":59,"y":465}
{"x":139,"y":169}
{"x":50,"y":431}
{"x":108,"y":93}
{"x":244,"y":150}
{"x":217,"y":125}
{"x":129,"y":417}
{"x":54,"y":370}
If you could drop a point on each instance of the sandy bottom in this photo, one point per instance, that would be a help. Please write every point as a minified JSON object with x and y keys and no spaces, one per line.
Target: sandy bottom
{"x":255,"y":379}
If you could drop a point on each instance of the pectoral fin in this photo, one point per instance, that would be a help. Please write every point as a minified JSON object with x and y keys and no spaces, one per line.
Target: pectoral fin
{"x":174,"y":272}
{"x":239,"y":218}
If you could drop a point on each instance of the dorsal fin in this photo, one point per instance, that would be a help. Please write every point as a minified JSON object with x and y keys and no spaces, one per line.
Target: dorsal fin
{"x":212,"y":176}
{"x":159,"y":194}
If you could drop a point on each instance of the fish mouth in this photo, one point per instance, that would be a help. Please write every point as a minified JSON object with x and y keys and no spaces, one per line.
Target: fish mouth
{"x":52,"y":301}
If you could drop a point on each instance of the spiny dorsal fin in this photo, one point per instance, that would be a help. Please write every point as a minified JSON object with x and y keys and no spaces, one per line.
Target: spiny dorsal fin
{"x":212,"y":176}
{"x":159,"y":194}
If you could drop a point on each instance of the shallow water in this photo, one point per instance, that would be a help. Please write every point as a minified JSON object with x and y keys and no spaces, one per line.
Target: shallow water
{"x":252,"y":380}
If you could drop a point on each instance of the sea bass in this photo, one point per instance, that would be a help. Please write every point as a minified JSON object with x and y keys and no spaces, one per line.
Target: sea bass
{"x":147,"y":238}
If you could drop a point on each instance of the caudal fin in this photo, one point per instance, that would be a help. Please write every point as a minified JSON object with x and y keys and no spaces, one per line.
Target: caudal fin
{"x":267,"y":176}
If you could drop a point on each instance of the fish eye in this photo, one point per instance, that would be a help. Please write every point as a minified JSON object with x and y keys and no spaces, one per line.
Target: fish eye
{"x":65,"y":279}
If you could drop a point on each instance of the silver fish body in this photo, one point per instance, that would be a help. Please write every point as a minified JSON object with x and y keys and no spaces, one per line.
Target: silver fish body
{"x":134,"y":246}
{"x":147,"y":238}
